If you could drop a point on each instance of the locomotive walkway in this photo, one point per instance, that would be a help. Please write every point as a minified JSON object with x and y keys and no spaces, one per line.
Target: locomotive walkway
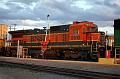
{"x":74,"y":65}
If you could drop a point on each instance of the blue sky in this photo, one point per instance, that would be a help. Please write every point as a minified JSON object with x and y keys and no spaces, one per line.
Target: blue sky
{"x":33,"y":13}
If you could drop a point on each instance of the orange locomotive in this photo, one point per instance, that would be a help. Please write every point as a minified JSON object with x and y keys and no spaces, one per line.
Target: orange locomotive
{"x":80,"y":40}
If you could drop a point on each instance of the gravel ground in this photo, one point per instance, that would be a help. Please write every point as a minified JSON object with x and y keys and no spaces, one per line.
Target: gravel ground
{"x":19,"y":73}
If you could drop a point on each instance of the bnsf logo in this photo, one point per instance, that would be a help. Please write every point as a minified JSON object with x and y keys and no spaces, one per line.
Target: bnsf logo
{"x":37,"y":38}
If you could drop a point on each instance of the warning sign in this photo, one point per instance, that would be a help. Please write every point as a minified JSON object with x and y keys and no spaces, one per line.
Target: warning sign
{"x":44,"y":45}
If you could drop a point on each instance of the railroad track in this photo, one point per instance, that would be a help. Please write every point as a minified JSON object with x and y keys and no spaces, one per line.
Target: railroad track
{"x":63,"y":71}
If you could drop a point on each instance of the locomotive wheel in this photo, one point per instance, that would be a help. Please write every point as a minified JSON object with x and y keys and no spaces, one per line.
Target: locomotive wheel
{"x":67,"y":54}
{"x":7,"y":54}
{"x":13,"y":53}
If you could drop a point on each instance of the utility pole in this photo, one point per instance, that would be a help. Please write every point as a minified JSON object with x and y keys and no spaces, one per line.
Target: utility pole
{"x":11,"y":27}
{"x":23,"y":22}
{"x":14,"y":26}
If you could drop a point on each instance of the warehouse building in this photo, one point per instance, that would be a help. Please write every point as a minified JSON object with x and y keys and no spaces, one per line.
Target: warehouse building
{"x":3,"y":34}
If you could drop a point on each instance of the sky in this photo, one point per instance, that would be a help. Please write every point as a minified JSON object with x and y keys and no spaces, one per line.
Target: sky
{"x":29,"y":14}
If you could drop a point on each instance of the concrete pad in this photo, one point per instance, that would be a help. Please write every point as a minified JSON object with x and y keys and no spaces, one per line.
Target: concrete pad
{"x":77,"y":65}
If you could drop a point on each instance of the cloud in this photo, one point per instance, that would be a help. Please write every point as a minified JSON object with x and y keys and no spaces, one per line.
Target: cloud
{"x":35,"y":12}
{"x":82,"y":4}
{"x":24,"y":1}
{"x":62,"y":10}
{"x":110,"y":30}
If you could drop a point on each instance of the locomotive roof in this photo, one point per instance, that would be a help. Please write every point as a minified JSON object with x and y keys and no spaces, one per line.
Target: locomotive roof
{"x":53,"y":29}
{"x":59,"y":29}
{"x":17,"y":31}
{"x":29,"y":31}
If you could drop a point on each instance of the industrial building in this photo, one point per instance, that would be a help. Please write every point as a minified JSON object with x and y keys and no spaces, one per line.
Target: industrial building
{"x":3,"y":34}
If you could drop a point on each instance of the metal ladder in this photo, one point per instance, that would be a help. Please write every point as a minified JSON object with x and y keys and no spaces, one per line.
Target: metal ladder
{"x":117,"y":56}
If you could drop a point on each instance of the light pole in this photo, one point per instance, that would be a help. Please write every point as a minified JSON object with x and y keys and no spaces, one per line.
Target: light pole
{"x":18,"y":49}
{"x":106,"y":41}
{"x":45,"y":33}
{"x":48,"y":17}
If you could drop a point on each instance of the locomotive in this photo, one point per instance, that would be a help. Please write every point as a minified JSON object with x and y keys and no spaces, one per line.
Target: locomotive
{"x":80,"y":40}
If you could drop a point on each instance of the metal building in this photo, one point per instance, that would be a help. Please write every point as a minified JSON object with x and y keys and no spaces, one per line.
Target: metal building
{"x":117,"y":32}
{"x":3,"y":33}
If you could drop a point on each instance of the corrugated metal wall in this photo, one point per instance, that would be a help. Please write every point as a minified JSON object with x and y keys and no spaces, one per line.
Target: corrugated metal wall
{"x":117,"y":37}
{"x":117,"y":32}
